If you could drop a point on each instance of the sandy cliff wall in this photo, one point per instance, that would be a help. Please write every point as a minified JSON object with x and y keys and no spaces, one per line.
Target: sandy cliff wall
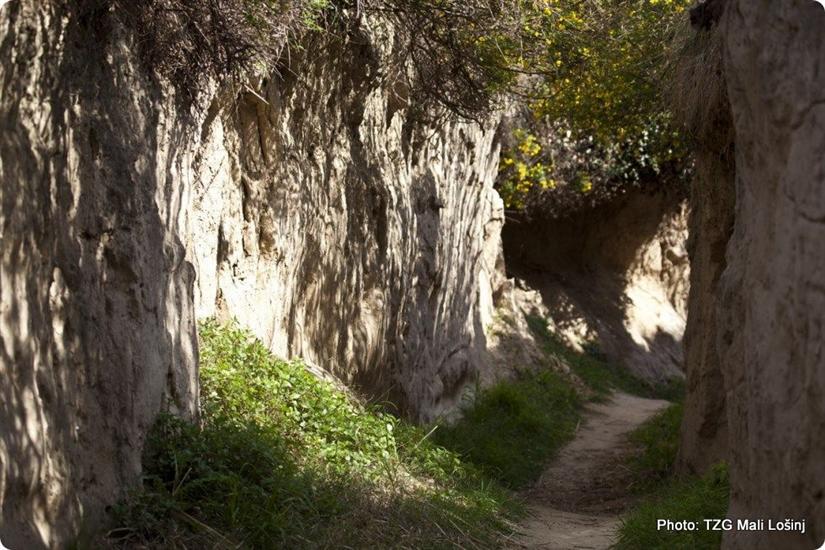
{"x":344,"y":229}
{"x":615,"y":275}
{"x":321,"y":210}
{"x":705,"y":110}
{"x":97,"y":327}
{"x":704,"y":427}
{"x":772,"y":308}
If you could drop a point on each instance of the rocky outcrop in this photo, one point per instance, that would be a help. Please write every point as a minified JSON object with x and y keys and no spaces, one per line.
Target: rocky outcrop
{"x":97,"y":329}
{"x":343,"y":230}
{"x":772,"y":306}
{"x":326,"y":210}
{"x":614,"y":276}
{"x":704,"y":108}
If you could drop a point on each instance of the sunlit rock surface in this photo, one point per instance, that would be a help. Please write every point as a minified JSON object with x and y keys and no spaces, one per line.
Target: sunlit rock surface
{"x":321,"y":210}
{"x":614,"y":278}
{"x":342,"y":229}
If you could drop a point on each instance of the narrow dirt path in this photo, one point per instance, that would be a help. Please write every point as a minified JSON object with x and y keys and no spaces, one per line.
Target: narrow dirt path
{"x":577,"y":502}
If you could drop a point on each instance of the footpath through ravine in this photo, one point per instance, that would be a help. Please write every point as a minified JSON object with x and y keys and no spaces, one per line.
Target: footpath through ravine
{"x":577,"y":502}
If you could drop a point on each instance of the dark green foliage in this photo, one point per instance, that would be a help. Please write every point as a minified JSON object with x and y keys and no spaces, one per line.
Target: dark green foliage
{"x":599,"y":374}
{"x":668,"y":496}
{"x":283,"y":460}
{"x":514,"y":428}
{"x":693,"y":499}
{"x":658,"y":443}
{"x":601,"y":125}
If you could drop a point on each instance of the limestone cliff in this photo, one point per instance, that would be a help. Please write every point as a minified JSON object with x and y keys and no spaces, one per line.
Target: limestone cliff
{"x":772,"y":307}
{"x":326,"y":209}
{"x":97,"y":328}
{"x":343,"y":230}
{"x":615,"y":276}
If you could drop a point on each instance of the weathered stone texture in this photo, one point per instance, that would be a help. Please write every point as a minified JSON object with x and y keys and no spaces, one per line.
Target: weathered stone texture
{"x":772,"y":310}
{"x":322,"y":210}
{"x":343,"y":228}
{"x":97,"y":329}
{"x":704,"y":427}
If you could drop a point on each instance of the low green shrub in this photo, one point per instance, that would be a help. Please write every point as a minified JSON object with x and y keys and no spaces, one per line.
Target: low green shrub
{"x":515,"y":427}
{"x":283,"y":460}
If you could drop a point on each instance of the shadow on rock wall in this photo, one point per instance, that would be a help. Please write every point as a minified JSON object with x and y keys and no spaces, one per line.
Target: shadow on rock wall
{"x":615,"y":276}
{"x":93,"y":284}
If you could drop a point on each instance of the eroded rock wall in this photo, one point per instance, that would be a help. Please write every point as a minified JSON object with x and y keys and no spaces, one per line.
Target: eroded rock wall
{"x":704,"y":427}
{"x":615,"y":275}
{"x":324,"y":209}
{"x":772,"y":307}
{"x":97,"y":330}
{"x":342,"y":227}
{"x":705,"y":111}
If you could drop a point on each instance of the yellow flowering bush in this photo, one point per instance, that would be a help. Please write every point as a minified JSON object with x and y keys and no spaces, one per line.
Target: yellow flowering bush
{"x":595,"y":121}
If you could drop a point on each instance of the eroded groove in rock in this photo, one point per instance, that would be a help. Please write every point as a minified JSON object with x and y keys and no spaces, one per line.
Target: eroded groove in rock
{"x":354,"y":233}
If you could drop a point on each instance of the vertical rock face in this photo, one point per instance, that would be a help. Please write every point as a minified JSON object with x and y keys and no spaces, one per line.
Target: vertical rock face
{"x":322,"y":210}
{"x":615,"y":275}
{"x":704,"y":427}
{"x":96,"y":325}
{"x":772,"y":308}
{"x":705,"y":110}
{"x":331,"y":218}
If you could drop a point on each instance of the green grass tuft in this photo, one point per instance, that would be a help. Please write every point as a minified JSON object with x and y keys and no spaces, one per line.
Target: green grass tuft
{"x":658,"y":443}
{"x":514,"y":428}
{"x":667,"y":496}
{"x":597,"y":372}
{"x":283,"y":460}
{"x":693,"y":499}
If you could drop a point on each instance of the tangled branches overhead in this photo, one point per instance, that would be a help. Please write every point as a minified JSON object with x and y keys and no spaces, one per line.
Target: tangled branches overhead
{"x":189,"y":40}
{"x":462,"y":52}
{"x":457,"y":53}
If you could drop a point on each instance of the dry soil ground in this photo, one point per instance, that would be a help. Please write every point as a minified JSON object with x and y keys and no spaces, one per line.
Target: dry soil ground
{"x":577,"y":502}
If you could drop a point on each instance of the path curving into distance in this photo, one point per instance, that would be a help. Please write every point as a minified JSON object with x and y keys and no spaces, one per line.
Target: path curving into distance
{"x":577,"y":502}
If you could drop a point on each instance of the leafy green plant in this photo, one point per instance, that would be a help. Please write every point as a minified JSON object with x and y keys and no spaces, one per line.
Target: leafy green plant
{"x":282,"y":459}
{"x":596,"y":372}
{"x":693,"y":499}
{"x":598,"y":123}
{"x":515,"y":427}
